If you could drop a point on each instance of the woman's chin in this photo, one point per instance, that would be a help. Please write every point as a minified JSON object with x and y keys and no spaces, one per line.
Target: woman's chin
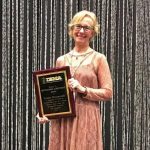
{"x":80,"y":41}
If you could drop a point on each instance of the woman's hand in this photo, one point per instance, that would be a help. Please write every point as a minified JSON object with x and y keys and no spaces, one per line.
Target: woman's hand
{"x":43,"y":119}
{"x":74,"y":85}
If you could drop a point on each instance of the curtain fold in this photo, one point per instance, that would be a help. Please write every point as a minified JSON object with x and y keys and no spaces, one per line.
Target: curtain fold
{"x":34,"y":33}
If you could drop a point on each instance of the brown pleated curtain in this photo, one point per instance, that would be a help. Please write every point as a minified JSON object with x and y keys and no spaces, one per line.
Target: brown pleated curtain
{"x":33,"y":33}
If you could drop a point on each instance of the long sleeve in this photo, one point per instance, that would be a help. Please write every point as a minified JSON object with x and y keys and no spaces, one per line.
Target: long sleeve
{"x":104,"y":91}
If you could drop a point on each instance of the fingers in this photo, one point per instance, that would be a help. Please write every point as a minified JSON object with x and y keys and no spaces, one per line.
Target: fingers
{"x":70,"y":84}
{"x":43,"y":119}
{"x":73,"y":84}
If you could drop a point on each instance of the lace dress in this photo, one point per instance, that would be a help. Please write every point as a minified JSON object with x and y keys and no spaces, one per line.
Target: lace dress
{"x":83,"y":132}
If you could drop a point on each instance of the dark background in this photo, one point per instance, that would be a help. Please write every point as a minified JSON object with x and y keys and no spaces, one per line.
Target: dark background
{"x":33,"y":33}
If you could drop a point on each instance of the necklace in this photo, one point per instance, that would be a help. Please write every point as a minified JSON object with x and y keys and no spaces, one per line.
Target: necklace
{"x":85,"y":56}
{"x":77,"y":56}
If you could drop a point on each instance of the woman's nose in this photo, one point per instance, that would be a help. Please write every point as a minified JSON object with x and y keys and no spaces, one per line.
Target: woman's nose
{"x":82,"y":30}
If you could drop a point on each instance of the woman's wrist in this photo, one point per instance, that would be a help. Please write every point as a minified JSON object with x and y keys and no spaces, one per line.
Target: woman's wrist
{"x":84,"y":91}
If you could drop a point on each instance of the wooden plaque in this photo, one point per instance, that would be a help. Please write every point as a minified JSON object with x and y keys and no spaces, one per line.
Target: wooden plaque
{"x":54,"y":98}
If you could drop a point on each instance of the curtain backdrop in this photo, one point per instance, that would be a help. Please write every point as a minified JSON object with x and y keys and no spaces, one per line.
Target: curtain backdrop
{"x":33,"y":33}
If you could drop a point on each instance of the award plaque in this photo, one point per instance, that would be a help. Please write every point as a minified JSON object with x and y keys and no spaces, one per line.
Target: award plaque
{"x":54,"y":98}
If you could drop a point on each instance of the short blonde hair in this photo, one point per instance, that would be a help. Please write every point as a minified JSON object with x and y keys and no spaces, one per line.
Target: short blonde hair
{"x":79,"y":16}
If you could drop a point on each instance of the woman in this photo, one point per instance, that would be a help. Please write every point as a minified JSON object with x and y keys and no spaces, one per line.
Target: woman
{"x":91,"y":82}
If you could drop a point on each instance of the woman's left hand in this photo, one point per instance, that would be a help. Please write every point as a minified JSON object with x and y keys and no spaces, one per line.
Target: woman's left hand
{"x":74,"y":85}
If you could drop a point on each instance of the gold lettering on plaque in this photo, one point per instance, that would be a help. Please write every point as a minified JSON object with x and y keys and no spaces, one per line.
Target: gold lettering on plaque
{"x":56,"y":78}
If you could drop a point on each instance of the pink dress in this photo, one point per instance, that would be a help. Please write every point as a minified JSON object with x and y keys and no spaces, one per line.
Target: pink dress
{"x":84,"y":132}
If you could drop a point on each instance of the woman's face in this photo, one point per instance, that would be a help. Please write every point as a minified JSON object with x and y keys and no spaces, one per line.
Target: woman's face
{"x":83,"y":32}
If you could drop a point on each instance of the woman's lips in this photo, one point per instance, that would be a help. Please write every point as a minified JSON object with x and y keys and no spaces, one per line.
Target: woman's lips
{"x":81,"y":36}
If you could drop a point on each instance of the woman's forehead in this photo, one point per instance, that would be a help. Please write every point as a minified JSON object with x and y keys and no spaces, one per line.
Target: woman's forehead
{"x":86,"y":20}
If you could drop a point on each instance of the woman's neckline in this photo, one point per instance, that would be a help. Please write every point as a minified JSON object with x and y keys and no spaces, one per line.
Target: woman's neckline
{"x":80,"y":53}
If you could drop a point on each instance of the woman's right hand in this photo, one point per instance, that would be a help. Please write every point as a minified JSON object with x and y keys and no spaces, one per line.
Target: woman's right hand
{"x":43,"y":119}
